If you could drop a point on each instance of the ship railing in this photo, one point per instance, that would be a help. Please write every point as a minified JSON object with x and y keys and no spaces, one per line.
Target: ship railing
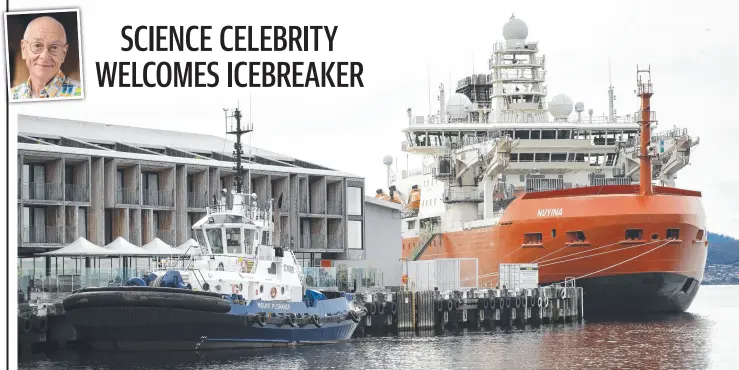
{"x":506,"y":46}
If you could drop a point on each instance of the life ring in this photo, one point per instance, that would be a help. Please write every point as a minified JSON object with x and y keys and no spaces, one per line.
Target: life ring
{"x":273,"y":292}
{"x":354,"y":316}
{"x":315,"y":320}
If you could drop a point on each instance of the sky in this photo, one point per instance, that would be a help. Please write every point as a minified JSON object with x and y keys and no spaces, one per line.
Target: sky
{"x":693,"y":52}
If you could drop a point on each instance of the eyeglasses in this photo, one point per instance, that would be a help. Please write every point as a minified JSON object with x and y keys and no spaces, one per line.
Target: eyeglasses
{"x":38,"y":48}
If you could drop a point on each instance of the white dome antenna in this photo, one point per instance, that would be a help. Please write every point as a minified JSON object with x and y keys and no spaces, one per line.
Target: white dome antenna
{"x":515,"y":32}
{"x":560,"y":107}
{"x":579,"y":108}
{"x":387,"y":160}
{"x":458,"y":106}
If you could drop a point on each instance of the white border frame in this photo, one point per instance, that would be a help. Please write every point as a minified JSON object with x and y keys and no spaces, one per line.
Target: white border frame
{"x":79,"y":46}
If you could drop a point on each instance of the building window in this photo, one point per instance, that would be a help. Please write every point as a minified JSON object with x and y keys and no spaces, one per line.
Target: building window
{"x":354,"y":232}
{"x":353,"y":201}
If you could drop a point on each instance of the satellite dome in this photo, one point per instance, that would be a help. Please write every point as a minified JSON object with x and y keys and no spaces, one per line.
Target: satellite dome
{"x":458,"y":105}
{"x":387,"y":160}
{"x":579,"y":107}
{"x":515,"y":30}
{"x":560,"y":106}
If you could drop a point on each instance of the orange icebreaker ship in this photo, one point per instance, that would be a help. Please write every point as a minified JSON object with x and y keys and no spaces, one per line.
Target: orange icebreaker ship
{"x":503,"y":184}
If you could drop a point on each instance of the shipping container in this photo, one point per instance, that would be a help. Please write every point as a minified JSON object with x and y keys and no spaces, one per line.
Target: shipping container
{"x":517,"y":276}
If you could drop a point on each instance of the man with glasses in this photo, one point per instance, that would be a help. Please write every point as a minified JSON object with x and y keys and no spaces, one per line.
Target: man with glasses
{"x":43,"y":48}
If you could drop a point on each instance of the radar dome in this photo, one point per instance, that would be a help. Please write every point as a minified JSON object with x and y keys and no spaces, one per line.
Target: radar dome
{"x":515,"y":30}
{"x":387,"y":160}
{"x":458,"y":106}
{"x":560,"y":106}
{"x":579,"y":107}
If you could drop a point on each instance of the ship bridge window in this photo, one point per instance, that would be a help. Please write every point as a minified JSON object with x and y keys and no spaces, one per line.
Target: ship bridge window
{"x":514,"y":157}
{"x":548,"y":134}
{"x":233,"y":240}
{"x":507,"y":132}
{"x":215,"y":238}
{"x":580,"y":134}
{"x":536,"y":134}
{"x":542,"y":157}
{"x":579,"y":157}
{"x":526,"y":157}
{"x":563,"y":134}
{"x":522,"y":134}
{"x":201,"y":241}
{"x":559,"y":157}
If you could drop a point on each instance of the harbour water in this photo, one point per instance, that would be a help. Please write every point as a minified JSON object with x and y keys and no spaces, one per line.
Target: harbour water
{"x":703,"y":338}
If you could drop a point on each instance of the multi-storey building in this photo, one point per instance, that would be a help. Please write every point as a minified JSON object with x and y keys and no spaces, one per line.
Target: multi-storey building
{"x":102,"y":181}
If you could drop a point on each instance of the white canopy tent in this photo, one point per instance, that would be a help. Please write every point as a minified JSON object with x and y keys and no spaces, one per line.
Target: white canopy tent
{"x":190,"y":247}
{"x":80,"y":247}
{"x":121,"y":247}
{"x":159,"y":248}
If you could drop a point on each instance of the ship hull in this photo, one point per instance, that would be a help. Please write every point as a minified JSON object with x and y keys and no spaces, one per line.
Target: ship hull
{"x":620,"y":274}
{"x":167,"y":319}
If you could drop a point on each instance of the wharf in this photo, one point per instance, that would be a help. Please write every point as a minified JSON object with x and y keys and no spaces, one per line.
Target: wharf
{"x":43,"y":326}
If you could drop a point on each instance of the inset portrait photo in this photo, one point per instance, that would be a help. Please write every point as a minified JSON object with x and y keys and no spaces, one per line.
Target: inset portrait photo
{"x":44,"y":55}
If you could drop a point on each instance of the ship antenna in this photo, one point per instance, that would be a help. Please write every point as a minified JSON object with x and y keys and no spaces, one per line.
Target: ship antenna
{"x":611,"y":95}
{"x":238,"y":148}
{"x":645,"y":91}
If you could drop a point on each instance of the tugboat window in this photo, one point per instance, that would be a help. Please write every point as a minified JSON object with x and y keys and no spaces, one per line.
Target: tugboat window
{"x":233,"y":242}
{"x":201,"y":240}
{"x":215,"y":237}
{"x":249,"y":241}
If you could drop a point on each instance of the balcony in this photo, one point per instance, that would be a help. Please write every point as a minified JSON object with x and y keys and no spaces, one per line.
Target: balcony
{"x":197,"y":200}
{"x":126,"y":196}
{"x":43,"y":234}
{"x":166,"y":236}
{"x":158,"y":198}
{"x":335,"y":208}
{"x":335,"y":241}
{"x":134,"y":235}
{"x":456,"y":195}
{"x":41,"y":191}
{"x":76,"y":193}
{"x":70,"y":234}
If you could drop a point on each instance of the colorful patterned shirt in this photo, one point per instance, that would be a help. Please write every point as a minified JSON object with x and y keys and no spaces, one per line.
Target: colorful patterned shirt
{"x":60,"y":86}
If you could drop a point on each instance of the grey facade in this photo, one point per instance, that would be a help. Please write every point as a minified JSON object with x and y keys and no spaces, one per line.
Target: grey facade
{"x":383,"y":236}
{"x":101,"y":181}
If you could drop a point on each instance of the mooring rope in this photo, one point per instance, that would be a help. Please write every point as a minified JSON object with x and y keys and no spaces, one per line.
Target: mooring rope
{"x":598,"y":254}
{"x":571,"y":254}
{"x":622,"y":262}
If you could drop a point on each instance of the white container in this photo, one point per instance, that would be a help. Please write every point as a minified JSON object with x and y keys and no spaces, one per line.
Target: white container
{"x":517,"y":276}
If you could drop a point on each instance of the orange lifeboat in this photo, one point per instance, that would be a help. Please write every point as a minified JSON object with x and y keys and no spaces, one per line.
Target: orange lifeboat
{"x":414,"y":199}
{"x":394,"y":195}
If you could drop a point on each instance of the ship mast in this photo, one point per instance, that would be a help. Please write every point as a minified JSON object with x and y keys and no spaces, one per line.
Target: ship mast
{"x":238,"y":130}
{"x":644,"y":91}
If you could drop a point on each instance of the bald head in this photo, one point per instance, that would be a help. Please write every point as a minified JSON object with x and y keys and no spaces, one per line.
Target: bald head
{"x":45,"y":26}
{"x":43,"y":48}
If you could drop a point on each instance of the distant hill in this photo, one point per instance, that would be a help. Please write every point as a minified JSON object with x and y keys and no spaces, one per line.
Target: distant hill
{"x":723,"y":250}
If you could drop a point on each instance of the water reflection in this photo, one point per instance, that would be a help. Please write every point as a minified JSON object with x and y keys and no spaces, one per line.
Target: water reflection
{"x":703,"y":338}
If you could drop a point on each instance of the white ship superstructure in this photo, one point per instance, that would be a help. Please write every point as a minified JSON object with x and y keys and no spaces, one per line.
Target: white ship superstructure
{"x":496,"y":137}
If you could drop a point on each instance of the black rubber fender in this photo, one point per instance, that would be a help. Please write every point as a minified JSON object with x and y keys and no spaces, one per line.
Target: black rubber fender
{"x":456,"y":304}
{"x":518,"y":302}
{"x":449,"y":304}
{"x":371,"y":308}
{"x":147,"y":289}
{"x":508,"y":302}
{"x":354,"y":316}
{"x":290,"y":320}
{"x":174,"y":298}
{"x":40,"y":324}
{"x":261,"y":318}
{"x":24,"y":325}
{"x":316,"y":320}
{"x":439,"y":305}
{"x":379,"y":307}
{"x":501,"y":302}
{"x":538,"y":301}
{"x":391,"y":307}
